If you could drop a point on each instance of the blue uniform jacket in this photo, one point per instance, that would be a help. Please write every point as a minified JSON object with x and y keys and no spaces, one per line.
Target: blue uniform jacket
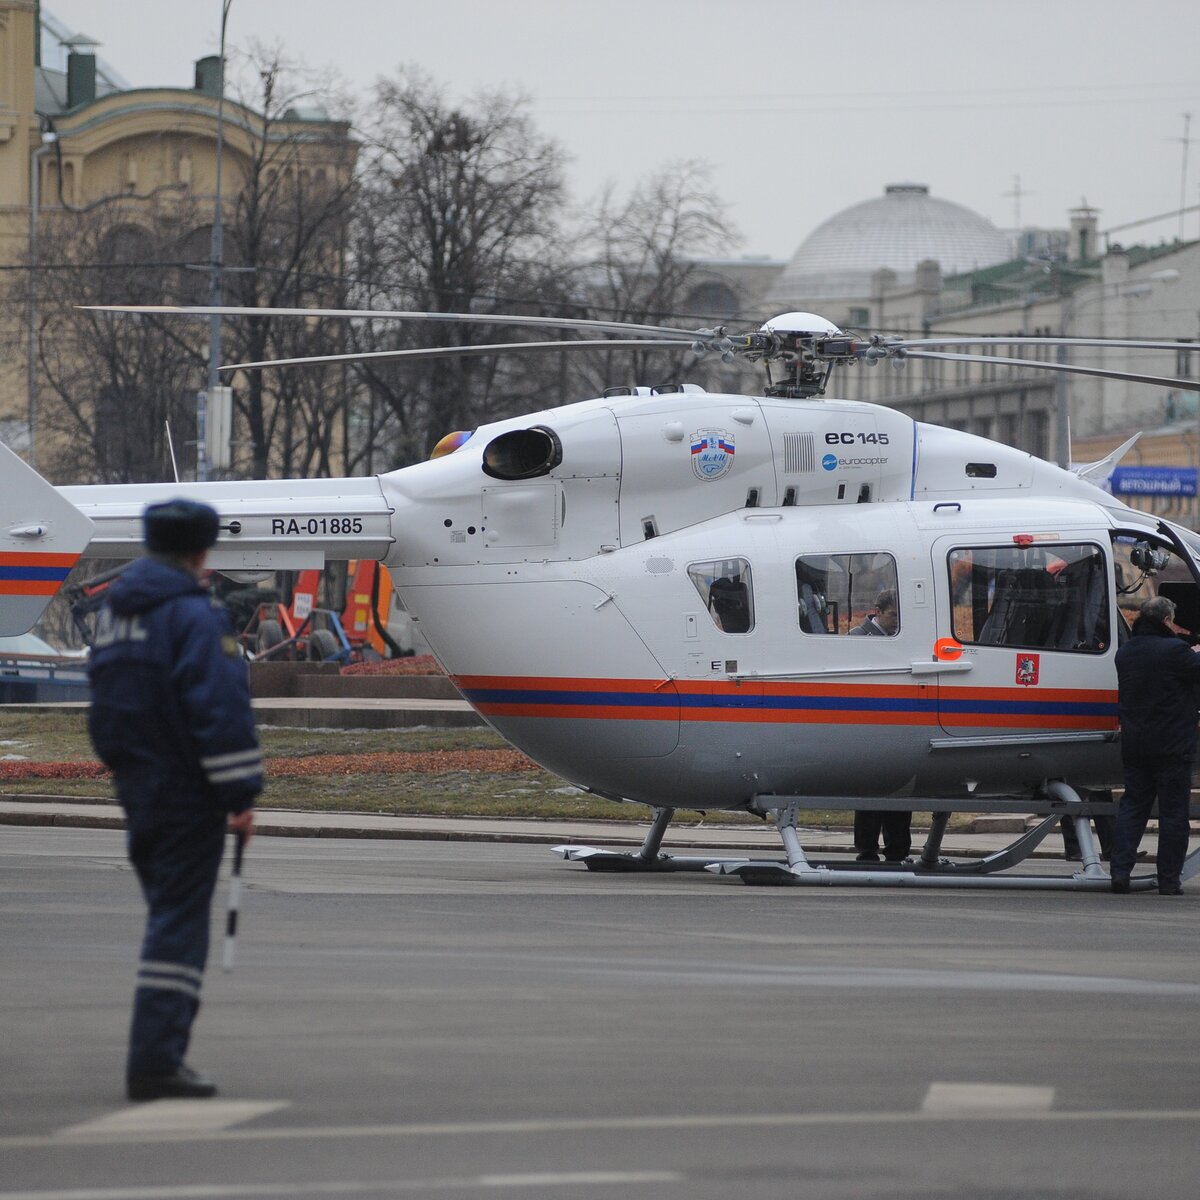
{"x":170,"y":712}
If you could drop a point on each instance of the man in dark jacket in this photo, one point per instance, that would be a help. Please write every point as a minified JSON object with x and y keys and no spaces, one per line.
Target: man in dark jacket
{"x":1157,"y":674}
{"x":171,"y":717}
{"x":896,"y":827}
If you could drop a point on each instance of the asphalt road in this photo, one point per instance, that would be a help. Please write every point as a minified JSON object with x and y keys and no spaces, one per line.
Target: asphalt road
{"x":461,"y":1020}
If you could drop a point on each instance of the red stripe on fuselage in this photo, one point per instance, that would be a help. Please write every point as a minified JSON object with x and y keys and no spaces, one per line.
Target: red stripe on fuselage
{"x":757,"y":707}
{"x":18,"y":558}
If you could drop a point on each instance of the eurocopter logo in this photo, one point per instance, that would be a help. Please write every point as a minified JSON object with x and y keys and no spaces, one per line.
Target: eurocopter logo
{"x":712,"y":453}
{"x":829,"y":462}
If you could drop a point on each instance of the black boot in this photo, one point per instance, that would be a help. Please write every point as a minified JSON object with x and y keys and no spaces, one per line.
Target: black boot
{"x":181,"y":1084}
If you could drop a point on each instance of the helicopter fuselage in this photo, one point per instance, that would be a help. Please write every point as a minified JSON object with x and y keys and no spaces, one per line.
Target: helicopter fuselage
{"x":579,"y":610}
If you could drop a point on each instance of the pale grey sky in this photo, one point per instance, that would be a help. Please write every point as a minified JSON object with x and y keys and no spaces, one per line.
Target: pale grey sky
{"x":801,"y":109}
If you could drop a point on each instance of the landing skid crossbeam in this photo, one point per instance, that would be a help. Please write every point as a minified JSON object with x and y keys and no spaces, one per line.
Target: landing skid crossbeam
{"x":646,"y":858}
{"x":929,"y":869}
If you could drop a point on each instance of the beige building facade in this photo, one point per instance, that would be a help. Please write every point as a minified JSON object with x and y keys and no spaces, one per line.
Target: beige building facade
{"x":70,"y":140}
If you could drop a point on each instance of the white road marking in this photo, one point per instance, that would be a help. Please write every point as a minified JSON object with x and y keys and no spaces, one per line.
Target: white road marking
{"x":579,"y":1178}
{"x":956,"y":1098}
{"x":173,"y":1116}
{"x":461,"y":1129}
{"x":885,"y":979}
{"x":349,"y":1187}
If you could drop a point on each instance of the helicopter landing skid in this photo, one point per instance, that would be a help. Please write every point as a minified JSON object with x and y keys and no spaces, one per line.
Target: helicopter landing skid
{"x":927,"y":870}
{"x":615,"y":862}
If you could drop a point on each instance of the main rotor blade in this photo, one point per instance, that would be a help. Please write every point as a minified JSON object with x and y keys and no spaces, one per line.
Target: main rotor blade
{"x":1116,"y":343}
{"x":165,"y":310}
{"x":465,"y":351}
{"x":1187,"y":385}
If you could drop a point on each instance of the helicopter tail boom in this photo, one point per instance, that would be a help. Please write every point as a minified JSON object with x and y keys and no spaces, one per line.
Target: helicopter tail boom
{"x":265,"y":524}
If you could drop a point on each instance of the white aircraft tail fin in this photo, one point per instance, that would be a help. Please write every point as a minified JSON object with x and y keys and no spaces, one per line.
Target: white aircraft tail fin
{"x":42,"y":536}
{"x":1102,"y":468}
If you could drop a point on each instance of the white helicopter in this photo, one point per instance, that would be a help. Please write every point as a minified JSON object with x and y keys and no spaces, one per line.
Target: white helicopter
{"x":650,"y":593}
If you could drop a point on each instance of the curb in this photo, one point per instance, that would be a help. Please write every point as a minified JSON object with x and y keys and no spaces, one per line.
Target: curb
{"x":562,"y":832}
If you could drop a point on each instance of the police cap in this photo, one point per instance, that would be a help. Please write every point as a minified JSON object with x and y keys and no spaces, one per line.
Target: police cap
{"x":179,"y":527}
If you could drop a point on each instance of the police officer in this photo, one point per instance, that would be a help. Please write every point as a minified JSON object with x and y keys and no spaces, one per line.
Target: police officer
{"x":171,"y":717}
{"x":1157,"y":678}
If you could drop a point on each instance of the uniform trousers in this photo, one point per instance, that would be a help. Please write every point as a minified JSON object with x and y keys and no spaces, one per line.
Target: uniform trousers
{"x":1170,"y":781}
{"x":896,"y":830}
{"x":177,"y":853}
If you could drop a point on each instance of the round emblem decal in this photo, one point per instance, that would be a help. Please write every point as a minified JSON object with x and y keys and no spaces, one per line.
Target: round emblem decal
{"x":829,"y":462}
{"x":712,"y":453}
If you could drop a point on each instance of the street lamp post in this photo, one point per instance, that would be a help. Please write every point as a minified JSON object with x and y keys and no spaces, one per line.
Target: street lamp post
{"x":35,"y":200}
{"x":215,"y":267}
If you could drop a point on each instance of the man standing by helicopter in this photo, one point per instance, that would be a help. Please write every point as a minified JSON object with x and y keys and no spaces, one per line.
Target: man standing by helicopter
{"x":171,"y":717}
{"x":1157,"y":678}
{"x":896,"y":827}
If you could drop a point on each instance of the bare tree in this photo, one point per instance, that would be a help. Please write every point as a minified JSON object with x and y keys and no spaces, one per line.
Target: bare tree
{"x":450,"y":208}
{"x":460,"y":208}
{"x":286,"y":243}
{"x":107,"y":386}
{"x":642,"y":262}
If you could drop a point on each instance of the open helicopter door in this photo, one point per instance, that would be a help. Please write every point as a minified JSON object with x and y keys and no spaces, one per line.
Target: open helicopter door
{"x":41,"y":538}
{"x":1032,"y":692}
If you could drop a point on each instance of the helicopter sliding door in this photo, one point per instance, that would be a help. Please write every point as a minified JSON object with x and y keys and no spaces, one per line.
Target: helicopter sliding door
{"x":1035,"y":618}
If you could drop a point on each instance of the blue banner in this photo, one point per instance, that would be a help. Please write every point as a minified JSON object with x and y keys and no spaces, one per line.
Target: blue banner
{"x":1154,"y":481}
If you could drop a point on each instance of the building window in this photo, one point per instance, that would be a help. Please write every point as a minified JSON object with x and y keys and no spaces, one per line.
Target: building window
{"x":1037,"y":432}
{"x":1010,"y":428}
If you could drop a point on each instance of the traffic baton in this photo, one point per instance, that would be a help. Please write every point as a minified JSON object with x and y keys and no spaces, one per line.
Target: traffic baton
{"x":235,"y":898}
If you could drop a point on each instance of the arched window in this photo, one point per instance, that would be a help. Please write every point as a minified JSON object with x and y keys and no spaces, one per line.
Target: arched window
{"x":712,"y":299}
{"x":126,"y":253}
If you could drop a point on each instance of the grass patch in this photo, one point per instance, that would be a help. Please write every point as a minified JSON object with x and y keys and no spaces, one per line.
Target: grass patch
{"x":62,"y":737}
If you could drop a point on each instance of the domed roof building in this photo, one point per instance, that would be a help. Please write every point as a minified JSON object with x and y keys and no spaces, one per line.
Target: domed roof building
{"x":903,"y":227}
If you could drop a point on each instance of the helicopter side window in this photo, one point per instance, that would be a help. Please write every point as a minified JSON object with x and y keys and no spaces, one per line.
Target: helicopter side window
{"x":848,"y":594}
{"x":727,"y":590}
{"x":1035,"y":597}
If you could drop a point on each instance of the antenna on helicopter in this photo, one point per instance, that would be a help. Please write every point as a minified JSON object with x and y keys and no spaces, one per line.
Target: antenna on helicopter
{"x":171,"y":448}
